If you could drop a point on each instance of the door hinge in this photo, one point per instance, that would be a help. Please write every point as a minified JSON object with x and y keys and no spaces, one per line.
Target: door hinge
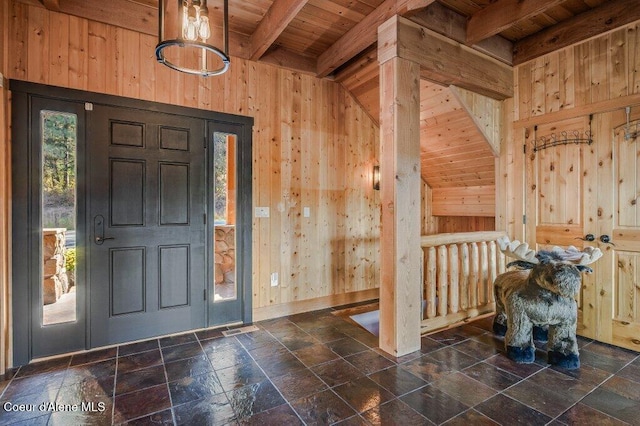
{"x":524,"y":148}
{"x":524,"y":219}
{"x":204,"y":218}
{"x":204,"y":294}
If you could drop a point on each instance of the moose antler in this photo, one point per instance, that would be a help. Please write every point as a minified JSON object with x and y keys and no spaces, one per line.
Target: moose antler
{"x":517,"y":250}
{"x":521,"y":251}
{"x":578,"y":257}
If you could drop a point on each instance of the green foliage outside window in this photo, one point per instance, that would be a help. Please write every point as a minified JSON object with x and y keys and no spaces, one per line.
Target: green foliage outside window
{"x":220,"y":177}
{"x":59,"y":140}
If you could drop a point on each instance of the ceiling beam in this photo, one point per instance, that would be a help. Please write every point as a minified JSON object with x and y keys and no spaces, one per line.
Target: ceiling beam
{"x":502,"y":14}
{"x":274,"y":22}
{"x":449,"y":23}
{"x":284,"y":58}
{"x":51,"y":4}
{"x":364,"y":34}
{"x":609,"y":16}
{"x":443,"y":60}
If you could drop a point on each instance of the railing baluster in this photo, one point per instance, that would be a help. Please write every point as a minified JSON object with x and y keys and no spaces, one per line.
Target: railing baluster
{"x":443,"y":275}
{"x":484,"y":274}
{"x":493,"y":270}
{"x":431,"y":282}
{"x":454,"y":292}
{"x":474,"y":276}
{"x":464,"y":276}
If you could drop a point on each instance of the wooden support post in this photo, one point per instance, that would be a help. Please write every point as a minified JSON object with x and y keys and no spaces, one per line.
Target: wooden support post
{"x":400,"y":289}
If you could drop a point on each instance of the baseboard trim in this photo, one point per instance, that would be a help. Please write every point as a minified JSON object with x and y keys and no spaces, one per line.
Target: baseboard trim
{"x":300,"y":306}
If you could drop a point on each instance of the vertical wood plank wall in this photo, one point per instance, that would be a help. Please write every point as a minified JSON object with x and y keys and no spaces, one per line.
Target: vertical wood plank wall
{"x":598,"y":70}
{"x":598,"y":75}
{"x":314,"y":146}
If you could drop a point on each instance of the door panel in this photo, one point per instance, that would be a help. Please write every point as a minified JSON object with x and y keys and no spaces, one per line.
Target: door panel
{"x":624,"y":247}
{"x":148,"y":257}
{"x":555,"y":203}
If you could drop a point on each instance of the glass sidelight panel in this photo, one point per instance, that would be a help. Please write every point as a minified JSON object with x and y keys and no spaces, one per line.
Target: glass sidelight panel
{"x":224,"y":241}
{"x":59,"y":214}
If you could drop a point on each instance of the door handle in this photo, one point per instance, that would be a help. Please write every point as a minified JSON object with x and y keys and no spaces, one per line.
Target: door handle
{"x":588,"y":237}
{"x":606,"y":239}
{"x":98,"y":230}
{"x":100,"y":240}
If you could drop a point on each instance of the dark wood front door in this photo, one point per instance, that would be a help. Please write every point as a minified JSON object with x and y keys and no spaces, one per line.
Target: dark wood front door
{"x":147,"y":224}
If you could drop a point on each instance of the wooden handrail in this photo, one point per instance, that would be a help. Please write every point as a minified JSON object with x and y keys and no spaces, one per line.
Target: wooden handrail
{"x":459,"y":238}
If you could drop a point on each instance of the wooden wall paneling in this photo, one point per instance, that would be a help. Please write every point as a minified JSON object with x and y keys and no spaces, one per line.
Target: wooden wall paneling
{"x":456,"y":224}
{"x":263,"y":153}
{"x":78,"y":48}
{"x":618,"y":56}
{"x":600,"y":68}
{"x":283,"y":195}
{"x":59,"y":49}
{"x":38,"y":42}
{"x":566,"y":82}
{"x":551,"y":82}
{"x":464,"y":201}
{"x":338,"y":181}
{"x":582,"y":72}
{"x":306,"y":238}
{"x":131,"y":64}
{"x":276,"y":87}
{"x":633,"y":58}
{"x":293,"y":157}
{"x":538,"y":91}
{"x":18,"y":40}
{"x":97,"y":63}
{"x":523,"y":106}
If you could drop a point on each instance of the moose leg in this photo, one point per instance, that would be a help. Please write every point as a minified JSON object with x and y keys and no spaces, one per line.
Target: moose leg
{"x":500,"y":320}
{"x":563,"y":345}
{"x":540,"y":333}
{"x":519,"y":337}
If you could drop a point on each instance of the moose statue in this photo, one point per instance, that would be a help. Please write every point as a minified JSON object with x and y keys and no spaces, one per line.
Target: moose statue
{"x":540,"y":296}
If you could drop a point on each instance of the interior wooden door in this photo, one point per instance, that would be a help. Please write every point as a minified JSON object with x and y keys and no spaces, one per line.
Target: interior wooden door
{"x":559,"y":200}
{"x":618,"y":273}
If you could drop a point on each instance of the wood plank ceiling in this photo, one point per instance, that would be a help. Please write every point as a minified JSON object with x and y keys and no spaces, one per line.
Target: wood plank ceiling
{"x":337,"y":39}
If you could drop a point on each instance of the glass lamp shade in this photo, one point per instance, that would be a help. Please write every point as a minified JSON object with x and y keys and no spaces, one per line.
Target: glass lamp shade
{"x":186,"y":34}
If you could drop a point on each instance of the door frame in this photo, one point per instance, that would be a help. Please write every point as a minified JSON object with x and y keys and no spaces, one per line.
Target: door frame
{"x":23,"y":238}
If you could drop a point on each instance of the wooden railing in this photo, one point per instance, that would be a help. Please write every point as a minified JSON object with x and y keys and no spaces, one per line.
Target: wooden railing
{"x":458,"y":275}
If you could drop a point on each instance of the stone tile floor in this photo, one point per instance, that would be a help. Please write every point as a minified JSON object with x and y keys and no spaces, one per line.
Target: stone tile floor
{"x":317,"y":368}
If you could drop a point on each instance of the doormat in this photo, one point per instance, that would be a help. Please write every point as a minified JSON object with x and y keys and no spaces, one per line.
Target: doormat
{"x":370,"y":321}
{"x":241,"y":330}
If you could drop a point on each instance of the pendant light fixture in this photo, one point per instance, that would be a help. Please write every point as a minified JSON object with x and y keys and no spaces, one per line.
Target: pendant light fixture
{"x":184,"y":37}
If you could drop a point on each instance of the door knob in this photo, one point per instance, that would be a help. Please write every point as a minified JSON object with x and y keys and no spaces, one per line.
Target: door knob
{"x":605,"y":239}
{"x":588,"y":237}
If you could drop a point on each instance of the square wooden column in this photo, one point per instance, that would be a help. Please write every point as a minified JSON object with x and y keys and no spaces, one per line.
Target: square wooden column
{"x":400,"y":289}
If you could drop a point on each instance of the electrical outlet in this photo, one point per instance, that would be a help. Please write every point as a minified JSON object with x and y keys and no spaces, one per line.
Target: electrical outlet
{"x":274,"y":279}
{"x":262,"y":212}
{"x":306,"y":212}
